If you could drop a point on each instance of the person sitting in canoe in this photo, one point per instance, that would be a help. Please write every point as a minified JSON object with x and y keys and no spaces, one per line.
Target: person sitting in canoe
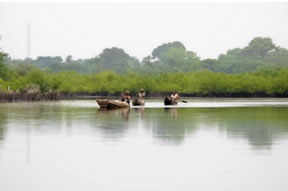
{"x":174,"y":96}
{"x":126,"y":96}
{"x":141,"y":94}
{"x":139,"y":100}
{"x":172,"y":99}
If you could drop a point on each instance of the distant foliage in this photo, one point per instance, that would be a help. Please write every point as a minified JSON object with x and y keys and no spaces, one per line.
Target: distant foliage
{"x":3,"y":67}
{"x":162,"y":49}
{"x":259,"y":69}
{"x":202,"y":83}
{"x":260,"y":53}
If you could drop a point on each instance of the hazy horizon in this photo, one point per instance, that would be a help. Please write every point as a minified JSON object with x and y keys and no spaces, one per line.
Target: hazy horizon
{"x":83,"y":30}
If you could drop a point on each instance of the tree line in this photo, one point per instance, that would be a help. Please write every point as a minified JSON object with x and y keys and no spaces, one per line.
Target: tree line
{"x":260,"y":53}
{"x":203,"y":83}
{"x":259,"y":69}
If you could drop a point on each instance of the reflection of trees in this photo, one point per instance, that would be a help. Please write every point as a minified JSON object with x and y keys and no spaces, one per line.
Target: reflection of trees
{"x":74,"y":120}
{"x":4,"y":115}
{"x":171,"y":124}
{"x":3,"y":121}
{"x":46,"y":118}
{"x":261,"y":126}
{"x":113,"y":123}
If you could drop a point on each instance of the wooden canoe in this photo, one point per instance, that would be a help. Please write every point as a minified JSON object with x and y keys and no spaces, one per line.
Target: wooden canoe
{"x":138,"y":102}
{"x":111,"y":104}
{"x":169,"y":101}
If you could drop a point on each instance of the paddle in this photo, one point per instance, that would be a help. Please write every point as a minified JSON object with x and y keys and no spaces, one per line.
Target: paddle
{"x":184,"y":101}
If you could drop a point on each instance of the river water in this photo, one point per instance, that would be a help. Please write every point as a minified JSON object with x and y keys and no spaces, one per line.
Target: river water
{"x":203,"y":145}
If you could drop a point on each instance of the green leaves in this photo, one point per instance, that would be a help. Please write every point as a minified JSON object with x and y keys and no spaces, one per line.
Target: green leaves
{"x":260,"y":68}
{"x":162,"y":49}
{"x":260,"y":53}
{"x":3,"y":68}
{"x":260,"y":46}
{"x":116,"y":59}
{"x":202,"y":83}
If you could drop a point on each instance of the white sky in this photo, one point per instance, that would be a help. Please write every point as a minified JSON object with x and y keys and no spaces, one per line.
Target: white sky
{"x":83,"y":30}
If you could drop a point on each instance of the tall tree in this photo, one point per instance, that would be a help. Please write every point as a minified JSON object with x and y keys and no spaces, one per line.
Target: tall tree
{"x":68,"y":59}
{"x":260,"y":46}
{"x":157,"y":52}
{"x":47,"y":61}
{"x":116,"y":59}
{"x":3,"y":67}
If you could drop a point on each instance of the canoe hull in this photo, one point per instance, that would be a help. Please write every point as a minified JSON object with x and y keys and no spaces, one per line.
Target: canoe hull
{"x":138,"y":102}
{"x":169,"y":101}
{"x":111,"y":104}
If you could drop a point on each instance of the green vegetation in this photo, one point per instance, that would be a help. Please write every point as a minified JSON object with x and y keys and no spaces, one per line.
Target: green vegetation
{"x":259,"y":69}
{"x":204,"y":83}
{"x":260,"y":53}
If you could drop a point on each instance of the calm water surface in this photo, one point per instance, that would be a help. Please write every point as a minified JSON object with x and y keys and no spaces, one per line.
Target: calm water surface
{"x":205,"y":144}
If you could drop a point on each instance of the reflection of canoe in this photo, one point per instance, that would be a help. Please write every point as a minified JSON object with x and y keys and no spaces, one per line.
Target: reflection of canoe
{"x":169,"y":101}
{"x":138,"y":101}
{"x":111,"y":104}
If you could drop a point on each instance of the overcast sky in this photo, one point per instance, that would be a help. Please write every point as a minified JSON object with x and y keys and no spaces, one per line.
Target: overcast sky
{"x":83,"y":30}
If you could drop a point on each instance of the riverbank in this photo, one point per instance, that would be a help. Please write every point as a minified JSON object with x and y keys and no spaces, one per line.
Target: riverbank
{"x":54,"y":96}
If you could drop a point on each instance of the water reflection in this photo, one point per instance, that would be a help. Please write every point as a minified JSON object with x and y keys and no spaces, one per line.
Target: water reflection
{"x":3,"y":121}
{"x":171,"y":125}
{"x":173,"y":112}
{"x":140,"y":112}
{"x":261,"y":127}
{"x":47,"y":146}
{"x":112,"y":123}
